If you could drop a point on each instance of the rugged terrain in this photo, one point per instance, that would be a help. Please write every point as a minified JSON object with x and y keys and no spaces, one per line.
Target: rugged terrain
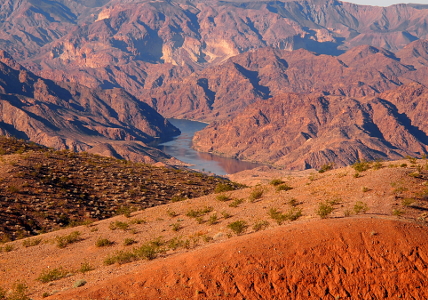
{"x":296,"y":131}
{"x":140,"y":45}
{"x":43,"y":190}
{"x":72,"y":116}
{"x":220,"y":92}
{"x":371,"y":242}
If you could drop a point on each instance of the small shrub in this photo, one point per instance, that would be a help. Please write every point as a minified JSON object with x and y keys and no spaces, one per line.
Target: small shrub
{"x":177,"y":198}
{"x":8,"y":248}
{"x":19,"y":291}
{"x":365,"y":189}
{"x":223,"y":197}
{"x":52,"y":275}
{"x":125,"y":210}
{"x":238,"y":227}
{"x":31,"y":242}
{"x":101,"y":242}
{"x":377,"y":165}
{"x":192,"y":213}
{"x":64,"y":241}
{"x":236,"y":202}
{"x":407,"y":201}
{"x":293,"y":202}
{"x":138,"y":221}
{"x":171,"y":213}
{"x":256,"y":193}
{"x":324,"y":209}
{"x":361,"y":166}
{"x":347,"y":213}
{"x":176,"y":226}
{"x":223,"y":187}
{"x":357,"y":175}
{"x":79,"y":283}
{"x":200,"y":220}
{"x":226,"y":215}
{"x":326,"y":167}
{"x":415,"y":174}
{"x":397,"y":212}
{"x":276,"y":182}
{"x":412,"y":160}
{"x":147,"y":251}
{"x":360,"y":207}
{"x":121,"y":257}
{"x":283,"y":187}
{"x":261,"y":225}
{"x":403,"y":165}
{"x":213,"y":219}
{"x":129,"y":241}
{"x":119,"y":225}
{"x":85,"y":267}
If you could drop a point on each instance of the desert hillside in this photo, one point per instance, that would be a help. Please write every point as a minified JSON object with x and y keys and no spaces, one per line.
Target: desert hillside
{"x":360,"y":231}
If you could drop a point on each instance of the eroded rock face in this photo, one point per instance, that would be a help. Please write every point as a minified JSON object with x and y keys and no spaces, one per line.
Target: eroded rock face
{"x":140,"y":45}
{"x":220,"y":92}
{"x":71,"y":116}
{"x":307,"y":131}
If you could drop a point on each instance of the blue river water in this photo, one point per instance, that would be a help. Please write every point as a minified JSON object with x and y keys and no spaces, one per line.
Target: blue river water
{"x":181,"y":148}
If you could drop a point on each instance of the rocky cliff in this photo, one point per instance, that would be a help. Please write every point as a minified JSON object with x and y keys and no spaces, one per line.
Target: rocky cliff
{"x":72,"y":116}
{"x":298,"y":131}
{"x":139,"y":45}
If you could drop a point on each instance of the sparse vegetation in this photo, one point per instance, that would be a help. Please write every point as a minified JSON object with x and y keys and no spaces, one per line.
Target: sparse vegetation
{"x":79,"y":283}
{"x":103,"y":242}
{"x":171,"y":213}
{"x":256,"y":193}
{"x":226,"y":215}
{"x":223,"y":187}
{"x":194,"y":213}
{"x":147,"y":251}
{"x":19,"y":292}
{"x":236,"y":202}
{"x":238,"y":227}
{"x":260,"y":225}
{"x":360,"y":207}
{"x":326,"y":167}
{"x":52,"y":275}
{"x":397,"y":212}
{"x":176,"y":226}
{"x":291,"y":215}
{"x":213,"y":219}
{"x":129,"y":241}
{"x":276,"y":182}
{"x":85,"y":267}
{"x":407,"y":201}
{"x":31,"y":242}
{"x":64,"y":241}
{"x":119,"y":225}
{"x":361,"y":166}
{"x":223,"y":197}
{"x":283,"y":187}
{"x":324,"y":209}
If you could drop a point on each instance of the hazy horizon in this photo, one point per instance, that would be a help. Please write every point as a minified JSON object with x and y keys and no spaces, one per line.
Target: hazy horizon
{"x":385,"y":2}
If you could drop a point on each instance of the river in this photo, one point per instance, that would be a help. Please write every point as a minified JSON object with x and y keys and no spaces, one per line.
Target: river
{"x":181,"y":148}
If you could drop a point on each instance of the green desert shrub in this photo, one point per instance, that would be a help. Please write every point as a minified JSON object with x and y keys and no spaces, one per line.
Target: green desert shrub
{"x":52,"y":275}
{"x":103,"y":242}
{"x":64,"y":241}
{"x":238,"y":227}
{"x":360,"y":206}
{"x":324,"y":209}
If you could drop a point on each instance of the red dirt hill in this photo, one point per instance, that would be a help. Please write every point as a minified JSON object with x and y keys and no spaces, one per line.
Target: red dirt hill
{"x":357,"y":258}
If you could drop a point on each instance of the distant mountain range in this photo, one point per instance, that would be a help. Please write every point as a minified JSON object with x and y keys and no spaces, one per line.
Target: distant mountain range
{"x":209,"y":61}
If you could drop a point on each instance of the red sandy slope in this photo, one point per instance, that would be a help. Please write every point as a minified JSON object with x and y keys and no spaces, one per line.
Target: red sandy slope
{"x":358,"y":258}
